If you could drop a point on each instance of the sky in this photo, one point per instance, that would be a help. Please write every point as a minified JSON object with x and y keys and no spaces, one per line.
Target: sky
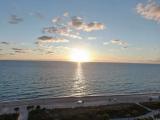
{"x":110,"y":30}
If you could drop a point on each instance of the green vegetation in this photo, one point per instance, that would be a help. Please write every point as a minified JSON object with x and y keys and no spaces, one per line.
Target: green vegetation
{"x":30,"y":107}
{"x":13,"y":116}
{"x":152,"y":105}
{"x":38,"y":107}
{"x":88,"y":113}
{"x":16,"y":109}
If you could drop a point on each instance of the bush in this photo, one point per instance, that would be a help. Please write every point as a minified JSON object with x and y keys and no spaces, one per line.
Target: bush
{"x":152,"y":105}
{"x":16,"y":109}
{"x":88,"y":113}
{"x":13,"y":116}
{"x":38,"y":107}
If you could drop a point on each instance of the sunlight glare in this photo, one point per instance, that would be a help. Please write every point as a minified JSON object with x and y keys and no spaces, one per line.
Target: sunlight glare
{"x":80,"y":55}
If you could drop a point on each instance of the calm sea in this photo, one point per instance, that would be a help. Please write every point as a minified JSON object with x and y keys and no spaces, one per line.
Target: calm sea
{"x":31,"y":79}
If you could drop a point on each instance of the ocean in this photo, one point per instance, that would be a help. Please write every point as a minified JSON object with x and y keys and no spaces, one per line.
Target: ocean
{"x":21,"y":80}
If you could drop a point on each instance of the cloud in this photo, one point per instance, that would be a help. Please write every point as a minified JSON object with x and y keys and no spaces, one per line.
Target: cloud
{"x":72,"y":26}
{"x":93,"y":26}
{"x":18,"y":50}
{"x":50,"y":52}
{"x":105,"y":43}
{"x":63,"y":31}
{"x":76,"y":22}
{"x":5,"y":43}
{"x":39,"y":15}
{"x":14,"y":19}
{"x":11,"y":53}
{"x":91,"y":38}
{"x":79,"y":24}
{"x":48,"y":39}
{"x":117,"y":42}
{"x":22,"y":50}
{"x":150,"y":10}
{"x":56,"y":20}
{"x":66,"y":14}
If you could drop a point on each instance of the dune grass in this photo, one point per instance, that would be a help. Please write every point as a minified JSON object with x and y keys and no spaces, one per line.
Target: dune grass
{"x":154,"y":105}
{"x":88,"y":113}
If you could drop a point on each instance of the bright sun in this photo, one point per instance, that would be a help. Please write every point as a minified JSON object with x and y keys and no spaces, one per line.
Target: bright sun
{"x":79,"y":55}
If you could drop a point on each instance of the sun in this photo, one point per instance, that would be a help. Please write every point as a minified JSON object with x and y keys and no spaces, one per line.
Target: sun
{"x":79,"y":55}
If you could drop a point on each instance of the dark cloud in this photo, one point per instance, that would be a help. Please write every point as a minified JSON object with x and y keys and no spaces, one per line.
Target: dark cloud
{"x":5,"y":43}
{"x":49,"y":52}
{"x":19,"y":50}
{"x":44,"y":38}
{"x":48,"y":39}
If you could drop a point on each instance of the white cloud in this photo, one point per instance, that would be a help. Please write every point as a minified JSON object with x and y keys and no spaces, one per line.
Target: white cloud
{"x":120,"y":42}
{"x":91,"y":38}
{"x":105,"y":43}
{"x":150,"y":10}
{"x":56,"y":20}
{"x":66,"y":14}
{"x":117,"y":42}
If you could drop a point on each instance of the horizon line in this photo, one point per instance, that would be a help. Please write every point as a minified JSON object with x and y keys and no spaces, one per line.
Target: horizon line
{"x":123,"y":62}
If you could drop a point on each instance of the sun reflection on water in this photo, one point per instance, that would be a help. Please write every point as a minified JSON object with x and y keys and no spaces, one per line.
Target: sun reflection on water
{"x":79,"y":85}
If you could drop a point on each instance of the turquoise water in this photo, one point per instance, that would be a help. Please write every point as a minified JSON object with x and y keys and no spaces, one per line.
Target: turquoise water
{"x":31,"y":79}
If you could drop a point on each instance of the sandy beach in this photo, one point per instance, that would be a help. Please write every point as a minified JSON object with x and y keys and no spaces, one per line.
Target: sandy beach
{"x":72,"y":102}
{"x":65,"y":102}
